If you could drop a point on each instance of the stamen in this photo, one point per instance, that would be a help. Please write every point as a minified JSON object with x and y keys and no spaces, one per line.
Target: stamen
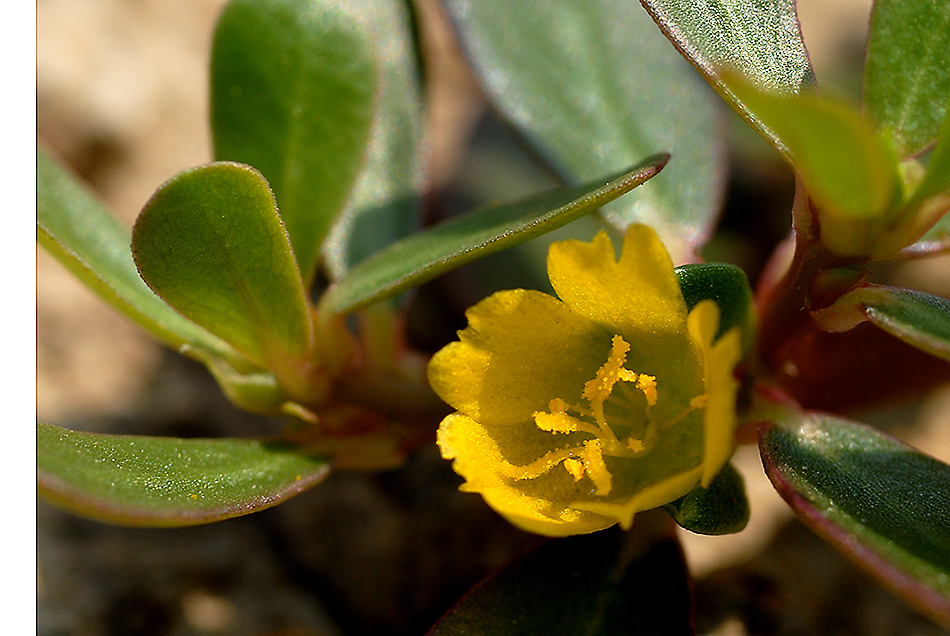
{"x":599,"y":389}
{"x":647,"y":384}
{"x":539,"y":466}
{"x":593,"y":459}
{"x":575,"y":467}
{"x":555,"y":422}
{"x":588,"y":457}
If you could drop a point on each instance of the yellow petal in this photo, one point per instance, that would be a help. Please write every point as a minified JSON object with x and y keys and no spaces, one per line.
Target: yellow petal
{"x":478,"y":459}
{"x":647,"y":499}
{"x":510,"y":360}
{"x":719,"y":360}
{"x":638,"y":294}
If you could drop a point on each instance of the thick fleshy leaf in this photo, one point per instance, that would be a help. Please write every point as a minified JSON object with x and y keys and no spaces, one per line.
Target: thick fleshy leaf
{"x":917,"y":318}
{"x":879,"y":501}
{"x":211,"y":244}
{"x":76,"y":228}
{"x":161,"y":481}
{"x":761,"y":41}
{"x":292,"y":94}
{"x":722,"y":508}
{"x":425,"y":255}
{"x":907,"y":73}
{"x":593,"y":87}
{"x":845,"y":166}
{"x":592,"y":584}
{"x":384,"y":205}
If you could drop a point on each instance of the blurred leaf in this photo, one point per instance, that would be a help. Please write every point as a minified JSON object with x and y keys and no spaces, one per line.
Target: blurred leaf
{"x":425,"y":255}
{"x":596,"y":584}
{"x":907,"y":73}
{"x":844,"y":165}
{"x":593,"y":87}
{"x":935,"y":241}
{"x":210,"y":242}
{"x":293,"y":90}
{"x":722,"y":508}
{"x":160,"y":481}
{"x":931,"y":199}
{"x":760,"y":40}
{"x":937,"y":175}
{"x":76,"y":228}
{"x":385,"y":203}
{"x":880,"y":502}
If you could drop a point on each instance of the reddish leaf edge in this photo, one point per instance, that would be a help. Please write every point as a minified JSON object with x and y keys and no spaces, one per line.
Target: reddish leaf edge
{"x":63,"y":495}
{"x":925,"y":600}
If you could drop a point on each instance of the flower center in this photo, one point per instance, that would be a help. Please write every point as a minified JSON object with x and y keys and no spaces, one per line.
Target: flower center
{"x":613,"y":415}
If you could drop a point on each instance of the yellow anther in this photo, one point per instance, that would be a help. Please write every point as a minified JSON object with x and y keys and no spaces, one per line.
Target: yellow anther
{"x":635,"y":445}
{"x":698,"y":402}
{"x":557,"y":422}
{"x":599,"y":389}
{"x":647,"y":384}
{"x":575,"y":467}
{"x":627,"y":375}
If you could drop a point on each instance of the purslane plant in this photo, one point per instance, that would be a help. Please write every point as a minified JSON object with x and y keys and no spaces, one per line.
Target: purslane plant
{"x":283,"y":266}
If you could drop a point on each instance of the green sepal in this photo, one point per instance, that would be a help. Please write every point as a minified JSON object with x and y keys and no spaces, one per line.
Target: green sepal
{"x":726,"y":285}
{"x":721,"y":508}
{"x":162,"y":481}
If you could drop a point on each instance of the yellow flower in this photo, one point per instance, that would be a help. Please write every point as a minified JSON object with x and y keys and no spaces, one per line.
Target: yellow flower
{"x":575,"y":414}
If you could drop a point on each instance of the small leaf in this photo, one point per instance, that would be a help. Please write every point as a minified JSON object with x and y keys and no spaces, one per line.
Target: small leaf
{"x":722,"y":508}
{"x":211,"y":244}
{"x":425,"y":255}
{"x":385,"y":203}
{"x":593,"y":87}
{"x":155,"y":481}
{"x":879,"y":501}
{"x":845,"y":166}
{"x":907,"y":73}
{"x":917,"y":318}
{"x":761,"y":41}
{"x":76,"y":228}
{"x":592,"y":584}
{"x":293,"y":94}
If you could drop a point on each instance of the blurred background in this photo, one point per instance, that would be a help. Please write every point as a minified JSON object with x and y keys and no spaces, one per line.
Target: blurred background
{"x":122,"y":99}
